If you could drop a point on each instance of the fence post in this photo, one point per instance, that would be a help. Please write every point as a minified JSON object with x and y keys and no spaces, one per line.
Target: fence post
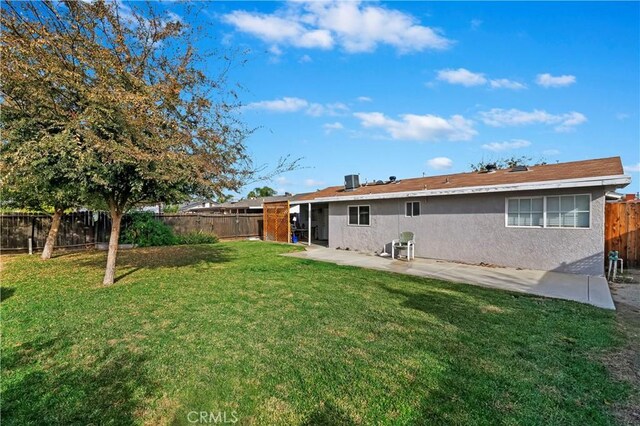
{"x":30,"y":245}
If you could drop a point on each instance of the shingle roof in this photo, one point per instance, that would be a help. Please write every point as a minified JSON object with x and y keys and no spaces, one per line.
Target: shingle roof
{"x":572,"y":170}
{"x":258,"y":202}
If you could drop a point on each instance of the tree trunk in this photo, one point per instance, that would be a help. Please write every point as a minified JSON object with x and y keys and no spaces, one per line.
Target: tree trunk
{"x":53,"y":233}
{"x":110,"y":272}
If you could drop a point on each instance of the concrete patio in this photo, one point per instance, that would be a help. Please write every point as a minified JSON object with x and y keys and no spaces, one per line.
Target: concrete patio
{"x":580,"y":288}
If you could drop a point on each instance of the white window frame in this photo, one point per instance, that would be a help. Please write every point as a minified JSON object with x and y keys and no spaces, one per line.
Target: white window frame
{"x":544,"y":212}
{"x":358,"y":207}
{"x":412,"y":203}
{"x":506,"y":212}
{"x":559,"y":201}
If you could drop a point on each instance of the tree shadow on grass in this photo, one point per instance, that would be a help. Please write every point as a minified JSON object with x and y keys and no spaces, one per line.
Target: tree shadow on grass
{"x":509,"y":359}
{"x":133,"y":260}
{"x":6,"y":292}
{"x":63,"y":252}
{"x":328,"y":415}
{"x":111,"y":387}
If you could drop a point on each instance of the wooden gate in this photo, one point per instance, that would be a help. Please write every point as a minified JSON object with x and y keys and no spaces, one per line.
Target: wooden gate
{"x":276,"y":222}
{"x":622,"y":231}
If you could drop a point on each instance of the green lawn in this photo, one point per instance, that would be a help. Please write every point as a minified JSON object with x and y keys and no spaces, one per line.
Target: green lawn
{"x":234,"y":328}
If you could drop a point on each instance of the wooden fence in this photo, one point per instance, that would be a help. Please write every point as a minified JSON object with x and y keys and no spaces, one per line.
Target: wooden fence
{"x":224,"y":226}
{"x":276,"y":221}
{"x":78,"y":229}
{"x":85,"y":229}
{"x":622,"y":231}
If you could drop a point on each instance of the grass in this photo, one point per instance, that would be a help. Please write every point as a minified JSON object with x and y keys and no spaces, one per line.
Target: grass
{"x":234,"y":329}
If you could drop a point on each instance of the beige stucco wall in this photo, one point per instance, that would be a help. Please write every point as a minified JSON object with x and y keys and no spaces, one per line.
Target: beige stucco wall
{"x":471,"y":228}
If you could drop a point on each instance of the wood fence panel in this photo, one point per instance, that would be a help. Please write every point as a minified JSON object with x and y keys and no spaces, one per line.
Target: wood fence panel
{"x":622,"y":231}
{"x":76,"y":230}
{"x":276,"y":222}
{"x":84,"y":229}
{"x":224,"y":226}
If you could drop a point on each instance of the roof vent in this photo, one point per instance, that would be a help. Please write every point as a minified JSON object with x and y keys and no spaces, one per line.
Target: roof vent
{"x":351,"y":182}
{"x":520,"y":169}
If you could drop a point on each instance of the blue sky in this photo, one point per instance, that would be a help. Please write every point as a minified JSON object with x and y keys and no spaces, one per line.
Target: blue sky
{"x":406,"y":88}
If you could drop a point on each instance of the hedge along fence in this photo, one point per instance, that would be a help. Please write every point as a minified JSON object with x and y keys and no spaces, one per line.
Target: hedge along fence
{"x":85,"y":229}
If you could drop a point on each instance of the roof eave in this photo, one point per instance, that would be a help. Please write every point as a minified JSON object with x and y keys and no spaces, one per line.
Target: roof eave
{"x":617,"y":181}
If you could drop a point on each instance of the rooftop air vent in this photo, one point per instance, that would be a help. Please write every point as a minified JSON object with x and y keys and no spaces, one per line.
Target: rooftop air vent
{"x":351,"y":182}
{"x":519,"y":169}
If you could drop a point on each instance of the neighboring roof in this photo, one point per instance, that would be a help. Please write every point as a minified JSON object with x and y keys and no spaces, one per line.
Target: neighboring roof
{"x":197,"y":205}
{"x":598,"y":172}
{"x":256,"y":203}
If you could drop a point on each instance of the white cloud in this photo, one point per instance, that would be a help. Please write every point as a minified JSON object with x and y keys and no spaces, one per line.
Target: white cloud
{"x":305,"y":59}
{"x":622,"y":116}
{"x":364,"y":99}
{"x":632,"y":168}
{"x":330,"y":127}
{"x":313,"y":182}
{"x":354,"y":26}
{"x":550,"y":152}
{"x":333,"y":109}
{"x":174,"y":17}
{"x":440,"y":163}
{"x":462,"y":76}
{"x":285,"y":104}
{"x":569,"y":121}
{"x":420,"y":127}
{"x":275,"y":50}
{"x":548,"y":80}
{"x":274,"y":29}
{"x":498,"y":117}
{"x":475,"y":24}
{"x":293,"y":104}
{"x":507,"y":145}
{"x":503,"y":83}
{"x":282,"y":181}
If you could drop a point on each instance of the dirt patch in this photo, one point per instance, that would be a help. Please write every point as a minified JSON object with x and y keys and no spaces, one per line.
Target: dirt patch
{"x":624,"y":364}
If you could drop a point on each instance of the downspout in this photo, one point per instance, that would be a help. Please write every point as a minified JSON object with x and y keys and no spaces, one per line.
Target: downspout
{"x":309,"y":225}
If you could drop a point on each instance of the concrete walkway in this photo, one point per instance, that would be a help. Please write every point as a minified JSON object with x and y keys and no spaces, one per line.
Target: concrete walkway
{"x":580,"y":288}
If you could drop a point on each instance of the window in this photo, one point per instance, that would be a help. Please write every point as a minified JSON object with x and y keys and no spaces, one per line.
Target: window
{"x":412,"y":208}
{"x":359,"y":215}
{"x":525,"y":212}
{"x":568,"y":211}
{"x":562,"y":211}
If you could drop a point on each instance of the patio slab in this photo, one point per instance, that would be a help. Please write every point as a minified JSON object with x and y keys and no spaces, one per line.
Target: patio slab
{"x":588,"y":289}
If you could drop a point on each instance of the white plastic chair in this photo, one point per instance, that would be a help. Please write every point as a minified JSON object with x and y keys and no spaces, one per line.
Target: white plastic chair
{"x":405,"y":242}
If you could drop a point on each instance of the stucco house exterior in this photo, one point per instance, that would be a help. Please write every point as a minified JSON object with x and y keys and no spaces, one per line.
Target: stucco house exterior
{"x":548,"y":217}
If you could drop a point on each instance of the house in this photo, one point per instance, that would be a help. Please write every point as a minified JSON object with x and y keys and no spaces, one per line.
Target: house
{"x":196,"y":206}
{"x":548,"y":217}
{"x":246,"y":205}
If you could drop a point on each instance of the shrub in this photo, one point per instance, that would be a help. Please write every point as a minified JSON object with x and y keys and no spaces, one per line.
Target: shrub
{"x":197,"y":238}
{"x":145,"y":230}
